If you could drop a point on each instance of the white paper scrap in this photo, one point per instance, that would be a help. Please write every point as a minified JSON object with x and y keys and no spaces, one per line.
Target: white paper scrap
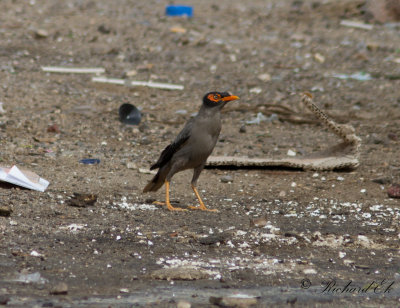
{"x":150,"y":84}
{"x":356,"y":24}
{"x":23,"y":178}
{"x":73,"y":70}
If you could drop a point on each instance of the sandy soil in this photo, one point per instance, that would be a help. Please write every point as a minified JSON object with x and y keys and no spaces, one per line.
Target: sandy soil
{"x":321,"y":226}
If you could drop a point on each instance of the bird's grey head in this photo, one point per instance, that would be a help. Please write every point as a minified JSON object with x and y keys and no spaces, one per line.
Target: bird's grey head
{"x":218,"y":99}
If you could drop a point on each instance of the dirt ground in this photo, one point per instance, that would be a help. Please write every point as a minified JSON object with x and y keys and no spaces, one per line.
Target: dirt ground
{"x":313,"y":228}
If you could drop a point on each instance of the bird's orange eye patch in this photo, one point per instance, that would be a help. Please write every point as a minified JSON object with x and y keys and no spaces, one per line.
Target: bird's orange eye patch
{"x":214,"y":97}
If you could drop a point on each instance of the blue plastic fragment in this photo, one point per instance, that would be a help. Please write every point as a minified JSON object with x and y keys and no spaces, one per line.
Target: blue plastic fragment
{"x":90,"y":161}
{"x":179,"y":10}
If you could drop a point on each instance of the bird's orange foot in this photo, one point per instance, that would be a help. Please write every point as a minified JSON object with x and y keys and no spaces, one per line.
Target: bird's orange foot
{"x":171,"y":208}
{"x":202,"y":208}
{"x":159,"y":203}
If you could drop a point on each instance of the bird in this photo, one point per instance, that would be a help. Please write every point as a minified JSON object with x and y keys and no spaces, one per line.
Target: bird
{"x":191,"y":148}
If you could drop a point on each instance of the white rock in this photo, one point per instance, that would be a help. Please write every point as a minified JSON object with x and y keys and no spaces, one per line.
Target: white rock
{"x":34,"y":253}
{"x":255,"y":90}
{"x":264,"y":77}
{"x":309,"y":271}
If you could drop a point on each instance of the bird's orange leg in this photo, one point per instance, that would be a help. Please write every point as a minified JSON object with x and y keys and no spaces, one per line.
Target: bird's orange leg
{"x":202,"y":207}
{"x":167,"y":202}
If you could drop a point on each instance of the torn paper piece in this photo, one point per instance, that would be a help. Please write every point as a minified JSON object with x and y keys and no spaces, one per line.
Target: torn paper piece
{"x":150,"y":84}
{"x":73,"y":70}
{"x":356,"y":24}
{"x":24,"y":178}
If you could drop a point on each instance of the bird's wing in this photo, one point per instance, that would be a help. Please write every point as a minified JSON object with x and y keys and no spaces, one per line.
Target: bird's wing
{"x":174,"y":147}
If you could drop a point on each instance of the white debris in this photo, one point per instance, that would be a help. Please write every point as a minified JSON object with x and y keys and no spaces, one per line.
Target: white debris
{"x":291,"y":153}
{"x":241,"y":233}
{"x":73,"y":70}
{"x":31,"y":278}
{"x":264,"y":77}
{"x":363,"y":191}
{"x":364,"y":241}
{"x":342,"y":254}
{"x":135,"y":206}
{"x":255,"y":90}
{"x":356,"y":24}
{"x":74,"y":227}
{"x":213,"y":69}
{"x":146,"y":171}
{"x":150,"y":84}
{"x":340,"y":178}
{"x":309,"y":271}
{"x":366,"y":215}
{"x":376,"y":207}
{"x":181,"y":111}
{"x":34,"y":253}
{"x":230,"y":244}
{"x":348,"y":262}
{"x":293,"y":184}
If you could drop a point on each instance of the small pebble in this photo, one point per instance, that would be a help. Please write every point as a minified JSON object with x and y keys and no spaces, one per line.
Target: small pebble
{"x":255,"y":90}
{"x":5,"y":210}
{"x":60,"y":289}
{"x":53,"y":129}
{"x":309,"y":271}
{"x":226,"y":179}
{"x":264,"y":77}
{"x":40,"y":34}
{"x":131,"y":165}
{"x":282,"y":194}
{"x":291,"y":153}
{"x":258,"y":222}
{"x":183,"y":304}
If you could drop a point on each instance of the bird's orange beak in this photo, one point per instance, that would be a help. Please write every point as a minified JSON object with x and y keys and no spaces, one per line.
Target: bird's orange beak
{"x":230,"y":98}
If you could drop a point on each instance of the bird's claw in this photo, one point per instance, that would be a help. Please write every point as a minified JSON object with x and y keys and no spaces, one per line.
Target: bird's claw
{"x":202,"y":209}
{"x":159,"y":203}
{"x":171,"y":208}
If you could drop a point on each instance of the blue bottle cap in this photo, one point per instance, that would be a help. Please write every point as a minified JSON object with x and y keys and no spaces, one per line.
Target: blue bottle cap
{"x":90,"y":161}
{"x":179,"y":10}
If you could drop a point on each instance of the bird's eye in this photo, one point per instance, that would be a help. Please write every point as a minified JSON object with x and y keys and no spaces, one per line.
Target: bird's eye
{"x":216,"y":97}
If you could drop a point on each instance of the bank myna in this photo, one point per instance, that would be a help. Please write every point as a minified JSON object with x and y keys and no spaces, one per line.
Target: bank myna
{"x":191,"y":147}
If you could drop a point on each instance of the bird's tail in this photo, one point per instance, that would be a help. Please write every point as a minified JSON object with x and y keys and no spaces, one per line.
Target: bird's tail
{"x":156,"y":182}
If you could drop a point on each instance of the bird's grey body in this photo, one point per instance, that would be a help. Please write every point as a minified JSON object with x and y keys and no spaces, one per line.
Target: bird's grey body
{"x":200,"y":133}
